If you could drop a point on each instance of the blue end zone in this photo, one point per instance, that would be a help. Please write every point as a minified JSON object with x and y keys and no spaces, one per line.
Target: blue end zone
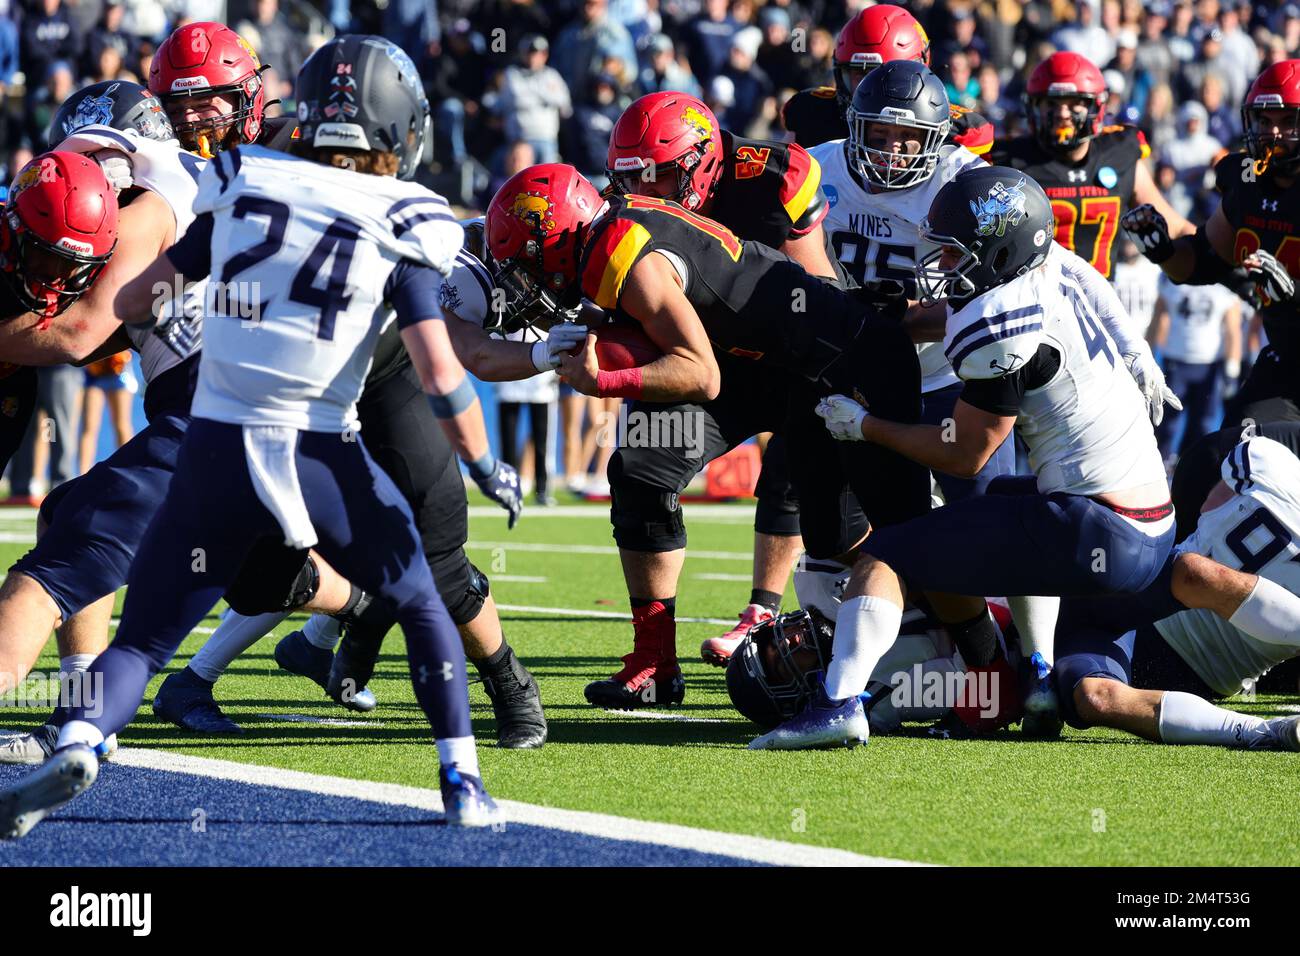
{"x":138,"y":817}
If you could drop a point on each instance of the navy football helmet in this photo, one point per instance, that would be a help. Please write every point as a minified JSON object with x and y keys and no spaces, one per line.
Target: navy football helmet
{"x":769,"y":675}
{"x":900,"y":93}
{"x":997,"y":220}
{"x":121,"y":104}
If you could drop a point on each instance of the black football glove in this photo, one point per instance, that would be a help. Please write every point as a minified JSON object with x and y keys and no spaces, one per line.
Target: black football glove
{"x":1150,"y":231}
{"x":502,"y":486}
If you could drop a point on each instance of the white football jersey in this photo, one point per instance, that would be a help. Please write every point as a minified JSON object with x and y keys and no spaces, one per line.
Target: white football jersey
{"x":1136,"y":285}
{"x":301,"y":255}
{"x":171,"y":172}
{"x":1195,"y":320}
{"x":878,"y":235}
{"x":1257,"y":530}
{"x":1086,"y":430}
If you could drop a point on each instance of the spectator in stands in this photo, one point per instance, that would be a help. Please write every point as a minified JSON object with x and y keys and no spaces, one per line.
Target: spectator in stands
{"x":1194,"y":150}
{"x":47,"y":37}
{"x":776,"y":56}
{"x":752,"y":86}
{"x":963,"y":89}
{"x":708,"y":39}
{"x":108,"y":33}
{"x":515,"y":156}
{"x":1208,"y":61}
{"x":992,"y":104}
{"x":587,"y":131}
{"x":110,"y":384}
{"x":1153,"y":53}
{"x":44,"y":102}
{"x":1085,"y":36}
{"x":1178,"y":37}
{"x":663,"y":70}
{"x":1239,"y":56}
{"x":1137,"y":82}
{"x":534,"y":99}
{"x":721,"y":97}
{"x":1159,"y":122}
{"x":583,"y":46}
{"x":1224,"y":122}
{"x":279,"y":45}
{"x":1288,"y":25}
{"x":817,"y":62}
{"x":109,"y":66}
{"x":146,"y":19}
{"x":964,"y":39}
{"x":499,"y":20}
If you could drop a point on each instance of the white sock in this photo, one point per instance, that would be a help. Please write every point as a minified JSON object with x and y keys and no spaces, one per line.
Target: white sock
{"x":79,"y":732}
{"x":1188,"y":719}
{"x":322,"y":631}
{"x":70,"y":686}
{"x":235,"y":634}
{"x":76,"y":662}
{"x":1270,"y":613}
{"x":461,"y":752}
{"x":1035,"y":618}
{"x":866,"y":629}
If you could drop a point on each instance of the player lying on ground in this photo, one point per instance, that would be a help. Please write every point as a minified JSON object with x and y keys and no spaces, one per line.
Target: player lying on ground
{"x":273,"y":452}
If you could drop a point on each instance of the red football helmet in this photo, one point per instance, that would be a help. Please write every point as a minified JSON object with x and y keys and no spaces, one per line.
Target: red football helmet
{"x":676,"y":138}
{"x":874,"y":36}
{"x":1065,"y":76}
{"x":209,"y":59}
{"x":58,"y":231}
{"x":534,"y":230}
{"x":1271,"y":118}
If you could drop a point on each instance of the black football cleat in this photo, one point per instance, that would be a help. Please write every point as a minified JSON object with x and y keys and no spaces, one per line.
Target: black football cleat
{"x":300,"y":656}
{"x":185,"y":699}
{"x":641,"y":683}
{"x":516,"y":702}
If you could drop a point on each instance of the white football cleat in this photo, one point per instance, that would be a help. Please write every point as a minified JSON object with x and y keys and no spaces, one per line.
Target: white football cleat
{"x":37,"y":746}
{"x":1283,"y":733}
{"x":29,"y":801}
{"x":718,"y":650}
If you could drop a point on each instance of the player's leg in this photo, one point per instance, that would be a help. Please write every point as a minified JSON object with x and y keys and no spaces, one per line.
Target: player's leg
{"x":777,"y":546}
{"x":367,"y":531}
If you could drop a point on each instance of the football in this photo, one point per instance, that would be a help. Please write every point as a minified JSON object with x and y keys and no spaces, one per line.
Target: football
{"x":621,"y":345}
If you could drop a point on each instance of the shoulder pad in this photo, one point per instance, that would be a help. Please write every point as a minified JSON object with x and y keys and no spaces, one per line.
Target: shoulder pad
{"x":611,"y":251}
{"x":1264,"y":463}
{"x":1232,"y":169}
{"x":981,"y":346}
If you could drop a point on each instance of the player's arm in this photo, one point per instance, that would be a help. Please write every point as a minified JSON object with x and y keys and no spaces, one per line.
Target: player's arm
{"x":119,"y":341}
{"x":497,"y":360}
{"x":926,"y":323}
{"x":1232,"y":341}
{"x":809,"y":250}
{"x":687,"y":370}
{"x":801,"y":195}
{"x":145,"y":227}
{"x":188,"y":261}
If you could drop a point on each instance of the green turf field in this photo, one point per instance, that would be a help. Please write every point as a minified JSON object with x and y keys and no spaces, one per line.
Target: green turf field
{"x":1090,"y":798}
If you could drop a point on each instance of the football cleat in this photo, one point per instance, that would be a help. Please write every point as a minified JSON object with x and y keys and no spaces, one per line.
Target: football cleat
{"x":1042,"y":717}
{"x":300,"y":656}
{"x":643,"y":682}
{"x":823,"y":723}
{"x":718,"y":650}
{"x":517,"y":704}
{"x":951,"y":727}
{"x":185,"y":699}
{"x":30,"y":748}
{"x":65,"y":774}
{"x":1283,"y":734}
{"x":465,"y":801}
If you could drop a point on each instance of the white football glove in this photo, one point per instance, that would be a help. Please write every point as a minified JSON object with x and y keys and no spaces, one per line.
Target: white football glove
{"x":1151,"y":382}
{"x":561,"y":339}
{"x":117,"y":168}
{"x":843,"y":417}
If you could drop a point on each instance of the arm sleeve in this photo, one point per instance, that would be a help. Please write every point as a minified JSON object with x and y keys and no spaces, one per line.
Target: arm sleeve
{"x":1105,"y":302}
{"x":412,"y":289}
{"x":1003,"y":395}
{"x":192,"y":255}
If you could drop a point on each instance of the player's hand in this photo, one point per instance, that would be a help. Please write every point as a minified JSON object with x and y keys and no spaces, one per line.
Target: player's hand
{"x":117,"y":168}
{"x":1269,"y":276}
{"x":580,"y":370}
{"x":502,"y":486}
{"x":562,"y":338}
{"x":1151,"y":382}
{"x":1150,"y":231}
{"x":843,"y":417}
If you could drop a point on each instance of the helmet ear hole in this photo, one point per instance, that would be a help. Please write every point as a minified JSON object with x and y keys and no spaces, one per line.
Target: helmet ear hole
{"x":1000,"y":258}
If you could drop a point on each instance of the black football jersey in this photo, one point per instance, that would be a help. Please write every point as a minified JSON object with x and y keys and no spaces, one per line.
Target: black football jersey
{"x":1264,"y":216}
{"x":769,"y":192}
{"x":814,"y":117}
{"x":1088,"y":197}
{"x":278,"y":132}
{"x":754,"y":302}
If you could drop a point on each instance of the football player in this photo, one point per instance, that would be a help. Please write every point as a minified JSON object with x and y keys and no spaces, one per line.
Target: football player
{"x":669,"y":145}
{"x":1026,"y":335}
{"x":1092,"y":173}
{"x":1249,"y":236}
{"x":707,"y":300}
{"x":879,"y":34}
{"x":1235,"y":616}
{"x":274,"y":452}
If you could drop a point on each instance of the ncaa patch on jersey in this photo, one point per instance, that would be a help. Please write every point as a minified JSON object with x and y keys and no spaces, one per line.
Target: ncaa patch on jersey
{"x":1107,"y":177}
{"x":832,"y":194}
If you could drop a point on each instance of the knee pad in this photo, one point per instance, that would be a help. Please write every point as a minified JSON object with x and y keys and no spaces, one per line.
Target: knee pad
{"x":777,"y":511}
{"x":264,"y":584}
{"x":645,"y":518}
{"x":462,"y":586}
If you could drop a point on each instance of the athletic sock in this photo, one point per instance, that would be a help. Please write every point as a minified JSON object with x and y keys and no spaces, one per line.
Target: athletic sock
{"x":79,"y":732}
{"x":866,"y":629}
{"x":70,"y":688}
{"x":767,"y":599}
{"x":461,"y":752}
{"x":1035,"y":618}
{"x":1188,"y":719}
{"x":323,"y":631}
{"x":235,"y":634}
{"x":976,"y":639}
{"x":1269,"y":613}
{"x":654,"y":626}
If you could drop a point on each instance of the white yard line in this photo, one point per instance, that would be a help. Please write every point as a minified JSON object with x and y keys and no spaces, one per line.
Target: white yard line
{"x":323,"y":721}
{"x":664,"y":715}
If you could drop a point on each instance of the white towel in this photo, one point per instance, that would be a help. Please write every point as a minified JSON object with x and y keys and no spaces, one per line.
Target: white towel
{"x":270,"y":451}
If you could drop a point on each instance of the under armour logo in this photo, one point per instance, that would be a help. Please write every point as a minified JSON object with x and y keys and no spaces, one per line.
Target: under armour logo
{"x":1270,"y":205}
{"x":1078,"y":175}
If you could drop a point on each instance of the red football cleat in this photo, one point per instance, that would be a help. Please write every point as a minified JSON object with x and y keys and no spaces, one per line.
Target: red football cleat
{"x":718,"y":650}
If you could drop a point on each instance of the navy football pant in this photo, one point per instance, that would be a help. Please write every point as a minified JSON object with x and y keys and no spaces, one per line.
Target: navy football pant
{"x":1012,"y":540}
{"x":211,"y":519}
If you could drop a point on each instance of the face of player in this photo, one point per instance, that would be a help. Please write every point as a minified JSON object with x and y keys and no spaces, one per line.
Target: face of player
{"x":949,"y":256}
{"x":51,"y":277}
{"x":896,"y":144}
{"x":664,"y":184}
{"x":1065,"y":118}
{"x":1279,"y":128}
{"x":203,"y":122}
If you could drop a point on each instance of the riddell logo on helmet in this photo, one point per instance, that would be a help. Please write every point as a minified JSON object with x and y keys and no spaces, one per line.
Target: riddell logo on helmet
{"x":533,"y":208}
{"x":75,"y":245}
{"x":624,"y":164}
{"x":1062,"y":89}
{"x":1268,"y":99}
{"x":189,"y":83}
{"x":867,"y":59}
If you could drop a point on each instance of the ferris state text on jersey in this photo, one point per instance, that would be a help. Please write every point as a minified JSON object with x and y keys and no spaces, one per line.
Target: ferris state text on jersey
{"x":1088,"y":197}
{"x":814,"y":117}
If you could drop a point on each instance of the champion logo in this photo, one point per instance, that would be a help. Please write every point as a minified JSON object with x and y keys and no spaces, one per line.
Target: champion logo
{"x":1078,"y":175}
{"x":1270,"y":205}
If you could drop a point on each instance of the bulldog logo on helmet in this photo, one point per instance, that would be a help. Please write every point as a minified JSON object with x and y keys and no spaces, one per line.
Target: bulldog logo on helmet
{"x":534,"y":209}
{"x":697,"y":121}
{"x":1003,"y":206}
{"x":30,"y":175}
